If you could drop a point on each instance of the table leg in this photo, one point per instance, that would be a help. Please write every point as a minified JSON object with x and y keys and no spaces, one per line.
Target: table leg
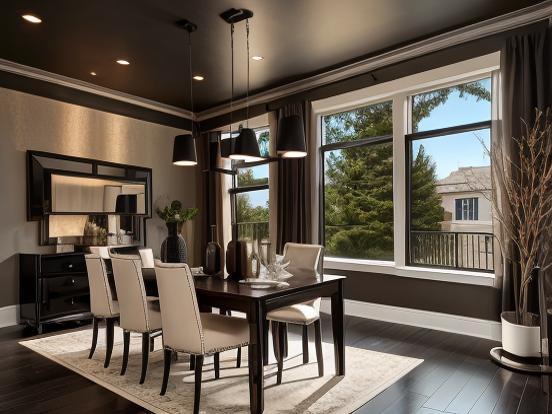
{"x":338,"y":323}
{"x":256,"y":319}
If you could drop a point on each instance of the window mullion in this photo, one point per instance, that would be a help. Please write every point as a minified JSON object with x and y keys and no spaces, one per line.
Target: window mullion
{"x":400,"y":129}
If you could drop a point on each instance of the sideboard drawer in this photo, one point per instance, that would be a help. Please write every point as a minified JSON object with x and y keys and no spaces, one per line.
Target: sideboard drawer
{"x":64,"y":295}
{"x":58,"y":265}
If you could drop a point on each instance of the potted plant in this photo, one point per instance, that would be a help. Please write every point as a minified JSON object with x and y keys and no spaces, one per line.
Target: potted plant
{"x":173,"y":248}
{"x":522,"y":204}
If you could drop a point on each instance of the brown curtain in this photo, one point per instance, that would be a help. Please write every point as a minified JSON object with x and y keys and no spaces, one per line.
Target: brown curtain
{"x":293,"y":195}
{"x":526,"y":85}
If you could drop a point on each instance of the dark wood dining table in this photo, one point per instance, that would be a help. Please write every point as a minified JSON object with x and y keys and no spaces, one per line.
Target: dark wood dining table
{"x":228,"y":294}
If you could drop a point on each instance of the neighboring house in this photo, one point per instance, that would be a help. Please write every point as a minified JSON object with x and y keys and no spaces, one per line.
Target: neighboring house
{"x":465,"y":200}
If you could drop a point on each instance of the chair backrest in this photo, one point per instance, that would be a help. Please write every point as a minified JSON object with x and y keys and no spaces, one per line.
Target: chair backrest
{"x":182,"y":329}
{"x":146,"y":255}
{"x":131,"y":293}
{"x":101,"y":301}
{"x":303,"y":256}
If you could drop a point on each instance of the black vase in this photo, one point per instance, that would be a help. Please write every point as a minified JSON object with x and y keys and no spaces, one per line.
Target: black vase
{"x":212,"y":254}
{"x":173,"y":248}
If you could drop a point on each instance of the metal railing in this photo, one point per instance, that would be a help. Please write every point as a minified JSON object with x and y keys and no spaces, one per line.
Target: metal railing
{"x":248,"y":230}
{"x":457,"y":250}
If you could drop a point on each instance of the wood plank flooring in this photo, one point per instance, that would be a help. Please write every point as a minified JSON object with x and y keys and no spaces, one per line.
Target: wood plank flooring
{"x":455,"y":377}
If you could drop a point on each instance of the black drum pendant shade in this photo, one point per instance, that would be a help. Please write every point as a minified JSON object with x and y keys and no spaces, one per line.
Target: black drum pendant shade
{"x":184,"y":150}
{"x":291,"y":137}
{"x":126,"y":204}
{"x":246,"y":147}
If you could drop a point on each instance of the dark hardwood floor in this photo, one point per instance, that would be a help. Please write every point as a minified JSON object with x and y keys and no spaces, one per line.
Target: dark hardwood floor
{"x":455,"y":377}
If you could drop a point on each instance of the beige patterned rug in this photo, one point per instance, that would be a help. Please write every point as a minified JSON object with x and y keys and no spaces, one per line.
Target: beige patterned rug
{"x":302,"y":391}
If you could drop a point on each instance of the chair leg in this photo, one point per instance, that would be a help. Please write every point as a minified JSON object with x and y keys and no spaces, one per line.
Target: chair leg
{"x":217,"y":365}
{"x":285,"y":328}
{"x":305,"y":344}
{"x":275,"y":339}
{"x":198,"y":372}
{"x":265,"y":343}
{"x":109,"y":335}
{"x":152,"y":344}
{"x":95,"y":322}
{"x":281,"y":344}
{"x":318,"y":342}
{"x":145,"y":355}
{"x":126,"y":347}
{"x":192,"y":362}
{"x":167,"y":356}
{"x":238,"y":358}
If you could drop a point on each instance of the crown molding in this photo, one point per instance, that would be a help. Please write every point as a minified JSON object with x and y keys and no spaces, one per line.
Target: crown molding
{"x":455,"y":37}
{"x":42,"y":75}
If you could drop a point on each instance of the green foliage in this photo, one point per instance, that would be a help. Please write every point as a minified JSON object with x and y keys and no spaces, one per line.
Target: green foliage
{"x":246,"y":213}
{"x":174,"y":213}
{"x":246,"y":177}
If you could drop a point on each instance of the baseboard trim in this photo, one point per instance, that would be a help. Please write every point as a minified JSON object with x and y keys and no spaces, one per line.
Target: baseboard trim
{"x":9,"y":316}
{"x":480,"y":328}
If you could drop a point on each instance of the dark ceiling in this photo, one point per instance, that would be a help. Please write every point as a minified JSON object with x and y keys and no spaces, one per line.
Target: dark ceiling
{"x":296,"y":37}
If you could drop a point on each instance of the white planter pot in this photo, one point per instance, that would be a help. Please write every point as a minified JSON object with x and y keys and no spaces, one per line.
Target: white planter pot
{"x":520,"y":340}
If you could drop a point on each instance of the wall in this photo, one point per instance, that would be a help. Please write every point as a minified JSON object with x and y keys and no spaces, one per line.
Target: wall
{"x":43,"y":124}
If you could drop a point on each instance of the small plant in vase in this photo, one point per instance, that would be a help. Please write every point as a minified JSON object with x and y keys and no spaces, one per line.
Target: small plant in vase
{"x":174,"y":248}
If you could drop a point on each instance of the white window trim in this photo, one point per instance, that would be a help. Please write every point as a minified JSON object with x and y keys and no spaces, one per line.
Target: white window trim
{"x":398,"y":91}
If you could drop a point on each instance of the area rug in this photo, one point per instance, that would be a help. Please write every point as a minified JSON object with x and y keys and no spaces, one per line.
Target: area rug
{"x":302,"y":391}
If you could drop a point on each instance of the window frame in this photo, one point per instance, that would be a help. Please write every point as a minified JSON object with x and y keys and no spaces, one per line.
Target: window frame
{"x":235,"y":189}
{"x":323,"y":149}
{"x":399,"y":91}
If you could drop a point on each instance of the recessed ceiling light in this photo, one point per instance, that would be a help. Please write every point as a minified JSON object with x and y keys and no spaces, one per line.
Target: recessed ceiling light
{"x":93,"y":73}
{"x":199,"y":77}
{"x":257,"y":57}
{"x":123,"y":62}
{"x":32,"y":18}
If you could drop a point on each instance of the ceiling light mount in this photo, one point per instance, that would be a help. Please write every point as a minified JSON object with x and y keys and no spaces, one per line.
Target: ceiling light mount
{"x":186,"y":25}
{"x":233,"y":16}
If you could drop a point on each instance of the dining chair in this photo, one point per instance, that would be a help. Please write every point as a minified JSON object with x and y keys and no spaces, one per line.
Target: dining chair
{"x":187,"y":330}
{"x":299,"y":256}
{"x":146,"y":255}
{"x":138,"y":312}
{"x":102,"y":305}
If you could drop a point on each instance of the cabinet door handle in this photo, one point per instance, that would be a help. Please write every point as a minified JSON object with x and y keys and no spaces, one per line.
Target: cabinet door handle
{"x":70,"y":265}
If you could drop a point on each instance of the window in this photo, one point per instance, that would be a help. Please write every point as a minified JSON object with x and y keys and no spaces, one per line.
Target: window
{"x":467,"y":208}
{"x":449,"y":172}
{"x":249,"y":193}
{"x":357,"y":172}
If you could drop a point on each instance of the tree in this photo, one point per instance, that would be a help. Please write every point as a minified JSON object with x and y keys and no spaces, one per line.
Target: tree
{"x":246,"y":213}
{"x":359,"y":181}
{"x":246,"y":177}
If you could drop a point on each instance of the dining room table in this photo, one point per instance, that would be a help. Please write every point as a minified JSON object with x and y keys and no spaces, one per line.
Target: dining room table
{"x":229,"y":294}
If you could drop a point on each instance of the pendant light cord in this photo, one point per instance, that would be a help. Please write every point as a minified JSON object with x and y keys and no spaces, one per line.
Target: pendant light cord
{"x":191,"y":74}
{"x":247,"y":93}
{"x":232,"y":66}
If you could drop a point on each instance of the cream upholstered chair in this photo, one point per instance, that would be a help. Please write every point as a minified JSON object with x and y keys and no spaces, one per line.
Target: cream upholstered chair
{"x":138,"y":312}
{"x":300,"y":256}
{"x":102,"y":305}
{"x":187,"y":330}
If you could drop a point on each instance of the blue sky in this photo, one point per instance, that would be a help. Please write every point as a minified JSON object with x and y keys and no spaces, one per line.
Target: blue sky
{"x":459,"y":150}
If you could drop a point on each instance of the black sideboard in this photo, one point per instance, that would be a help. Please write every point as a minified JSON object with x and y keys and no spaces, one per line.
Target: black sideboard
{"x":53,"y":288}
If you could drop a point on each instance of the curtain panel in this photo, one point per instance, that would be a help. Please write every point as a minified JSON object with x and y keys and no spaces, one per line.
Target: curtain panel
{"x":293,"y":222}
{"x":525,"y":71}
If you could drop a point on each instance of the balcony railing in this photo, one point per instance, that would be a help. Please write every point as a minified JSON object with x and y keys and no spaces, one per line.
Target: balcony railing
{"x":248,"y":230}
{"x":457,"y":250}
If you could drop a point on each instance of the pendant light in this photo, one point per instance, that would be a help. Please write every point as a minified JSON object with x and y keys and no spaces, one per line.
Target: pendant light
{"x":184,"y":149}
{"x":246,"y":147}
{"x":291,"y":137}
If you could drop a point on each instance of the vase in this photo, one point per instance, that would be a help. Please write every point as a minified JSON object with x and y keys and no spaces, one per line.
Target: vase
{"x":173,"y":248}
{"x":520,"y":340}
{"x":212,"y":254}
